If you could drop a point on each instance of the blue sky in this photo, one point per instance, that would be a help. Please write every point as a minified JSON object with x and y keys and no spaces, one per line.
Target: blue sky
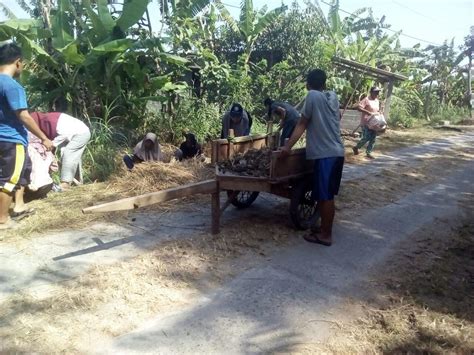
{"x":430,"y":20}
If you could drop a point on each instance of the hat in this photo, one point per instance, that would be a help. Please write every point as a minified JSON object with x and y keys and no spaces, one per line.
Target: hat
{"x":374,"y":89}
{"x":236,"y":110}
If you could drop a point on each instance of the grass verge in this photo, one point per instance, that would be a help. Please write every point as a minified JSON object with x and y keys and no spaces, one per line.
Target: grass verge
{"x":424,"y":301}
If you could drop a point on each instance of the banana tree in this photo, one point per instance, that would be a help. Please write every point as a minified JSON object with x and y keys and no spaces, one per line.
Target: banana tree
{"x":442,"y":62}
{"x":251,"y":25}
{"x":7,"y":12}
{"x":93,"y":61}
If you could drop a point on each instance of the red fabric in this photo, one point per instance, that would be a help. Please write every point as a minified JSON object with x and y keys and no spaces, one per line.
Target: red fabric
{"x":47,"y":122}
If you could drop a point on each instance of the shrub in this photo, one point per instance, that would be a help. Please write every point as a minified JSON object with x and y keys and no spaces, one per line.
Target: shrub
{"x":400,"y":114}
{"x":102,"y":155}
{"x":448,"y":113}
{"x":190,"y":114}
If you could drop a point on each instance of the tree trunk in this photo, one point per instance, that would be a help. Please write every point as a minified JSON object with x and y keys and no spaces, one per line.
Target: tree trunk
{"x":428,"y":101}
{"x":45,"y":12}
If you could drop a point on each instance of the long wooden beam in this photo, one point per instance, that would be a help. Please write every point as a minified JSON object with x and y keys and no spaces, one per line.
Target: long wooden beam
{"x":130,"y":203}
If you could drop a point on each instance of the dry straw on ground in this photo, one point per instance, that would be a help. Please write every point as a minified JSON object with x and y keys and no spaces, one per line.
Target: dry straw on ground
{"x":425,"y":297}
{"x":52,"y":212}
{"x":64,"y":210}
{"x":111,"y":300}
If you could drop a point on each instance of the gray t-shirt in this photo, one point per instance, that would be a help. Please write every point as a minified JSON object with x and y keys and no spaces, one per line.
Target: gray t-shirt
{"x":240,"y":129}
{"x":323,"y":138}
{"x":291,"y":119}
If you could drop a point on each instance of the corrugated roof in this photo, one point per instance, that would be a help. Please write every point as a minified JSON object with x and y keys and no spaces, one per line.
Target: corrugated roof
{"x":382,"y":74}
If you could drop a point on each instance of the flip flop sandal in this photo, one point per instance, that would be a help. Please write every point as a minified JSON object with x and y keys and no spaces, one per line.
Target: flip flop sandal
{"x":316,"y":240}
{"x":17,"y":216}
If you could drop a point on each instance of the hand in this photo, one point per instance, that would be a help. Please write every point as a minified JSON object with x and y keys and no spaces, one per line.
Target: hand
{"x":48,"y":144}
{"x":284,"y":151}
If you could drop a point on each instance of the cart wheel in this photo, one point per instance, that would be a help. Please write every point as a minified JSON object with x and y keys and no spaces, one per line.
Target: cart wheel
{"x":243,"y":199}
{"x":303,"y":212}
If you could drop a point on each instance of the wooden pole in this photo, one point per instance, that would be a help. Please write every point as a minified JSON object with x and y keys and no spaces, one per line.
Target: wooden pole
{"x":230,"y":146}
{"x":270,"y":139}
{"x":130,"y":203}
{"x":388,"y":99}
{"x":216,"y":210}
{"x":269,"y":127}
{"x":215,"y":152}
{"x":469,"y":80}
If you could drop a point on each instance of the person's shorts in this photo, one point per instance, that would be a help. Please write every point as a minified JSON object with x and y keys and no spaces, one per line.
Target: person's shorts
{"x":327,"y":178}
{"x":12,"y":160}
{"x":25,"y":177}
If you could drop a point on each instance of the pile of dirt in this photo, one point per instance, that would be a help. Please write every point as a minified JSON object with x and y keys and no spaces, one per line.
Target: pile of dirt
{"x":255,"y":162}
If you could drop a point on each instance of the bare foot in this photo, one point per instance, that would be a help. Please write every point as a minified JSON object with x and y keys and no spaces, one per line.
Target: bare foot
{"x":9,"y":224}
{"x":319,"y":239}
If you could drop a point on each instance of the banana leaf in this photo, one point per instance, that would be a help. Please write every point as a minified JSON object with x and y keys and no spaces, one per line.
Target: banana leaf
{"x":132,"y":12}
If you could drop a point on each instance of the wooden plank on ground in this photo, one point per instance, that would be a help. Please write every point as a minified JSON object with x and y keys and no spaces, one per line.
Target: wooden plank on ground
{"x":130,"y":203}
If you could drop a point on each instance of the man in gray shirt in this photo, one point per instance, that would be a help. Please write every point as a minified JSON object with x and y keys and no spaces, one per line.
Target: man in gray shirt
{"x":237,"y":119}
{"x":288,"y":117}
{"x":320,"y":119}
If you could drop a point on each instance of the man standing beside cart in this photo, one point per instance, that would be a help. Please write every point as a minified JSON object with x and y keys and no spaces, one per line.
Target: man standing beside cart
{"x":321,"y":121}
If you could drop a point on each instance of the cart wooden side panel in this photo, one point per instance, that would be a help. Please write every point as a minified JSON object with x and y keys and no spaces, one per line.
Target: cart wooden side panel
{"x":292,"y":166}
{"x":223,"y":150}
{"x":244,"y":183}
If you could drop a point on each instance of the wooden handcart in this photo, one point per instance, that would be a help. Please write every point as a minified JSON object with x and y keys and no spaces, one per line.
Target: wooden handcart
{"x":289,"y":177}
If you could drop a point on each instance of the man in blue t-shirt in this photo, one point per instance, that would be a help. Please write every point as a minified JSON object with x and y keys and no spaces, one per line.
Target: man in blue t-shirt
{"x":14,"y":120}
{"x":320,"y":119}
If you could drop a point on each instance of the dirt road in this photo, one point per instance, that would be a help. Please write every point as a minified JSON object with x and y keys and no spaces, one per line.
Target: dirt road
{"x":295,"y":298}
{"x":283,"y":295}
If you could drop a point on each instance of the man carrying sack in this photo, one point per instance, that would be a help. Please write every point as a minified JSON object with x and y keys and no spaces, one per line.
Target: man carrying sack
{"x":371,"y":121}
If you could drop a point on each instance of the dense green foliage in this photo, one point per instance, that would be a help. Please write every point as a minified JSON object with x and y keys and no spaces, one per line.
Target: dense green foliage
{"x":101,"y":64}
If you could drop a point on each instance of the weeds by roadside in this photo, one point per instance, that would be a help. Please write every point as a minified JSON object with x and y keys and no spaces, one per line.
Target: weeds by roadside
{"x":425,"y":298}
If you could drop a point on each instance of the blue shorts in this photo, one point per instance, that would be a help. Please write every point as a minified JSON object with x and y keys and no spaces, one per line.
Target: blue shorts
{"x":327,"y":178}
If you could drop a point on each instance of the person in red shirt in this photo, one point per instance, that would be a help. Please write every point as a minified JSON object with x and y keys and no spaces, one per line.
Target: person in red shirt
{"x":69,"y":134}
{"x":369,"y":106}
